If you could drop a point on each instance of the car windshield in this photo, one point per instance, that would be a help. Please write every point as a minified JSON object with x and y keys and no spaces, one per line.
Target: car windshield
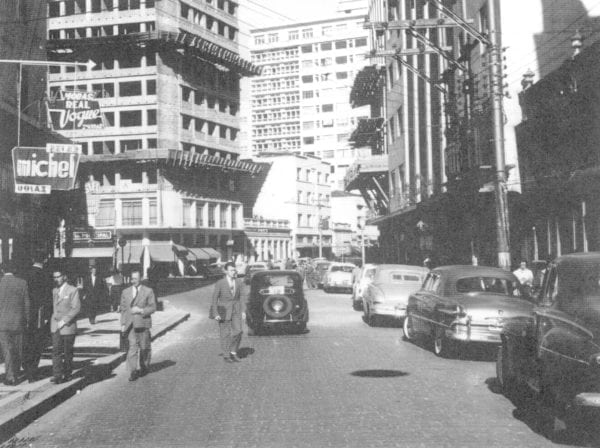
{"x":488,"y":284}
{"x":401,"y":277}
{"x":289,"y":281}
{"x":348,"y":269}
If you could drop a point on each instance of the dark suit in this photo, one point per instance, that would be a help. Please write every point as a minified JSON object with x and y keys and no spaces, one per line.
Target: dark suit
{"x":95,"y":296}
{"x":228,"y":306}
{"x":14,"y":313}
{"x":137,"y":326}
{"x":37,"y":334}
{"x":66,"y":306}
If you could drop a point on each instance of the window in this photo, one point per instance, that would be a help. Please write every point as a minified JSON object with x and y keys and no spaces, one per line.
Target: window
{"x":299,"y":219}
{"x":199,"y":214}
{"x":341,"y":75}
{"x":131,"y":88}
{"x":151,"y":115}
{"x":341,"y":59}
{"x":339,"y":44}
{"x":152,"y":212}
{"x":131,"y":145}
{"x":326,"y":30}
{"x":223,"y":222}
{"x":293,"y":35}
{"x":132,"y":212}
{"x":130,"y":118}
{"x":274,"y":37}
{"x":307,"y":33}
{"x":259,"y":40}
{"x":308,"y":140}
{"x":307,"y":63}
{"x":327,"y":108}
{"x":308,"y":125}
{"x":306,"y":79}
{"x":211,"y":215}
{"x":151,"y":87}
{"x":360,"y":42}
{"x":187,"y":213}
{"x":326,"y":46}
{"x":105,"y":215}
{"x":325,"y":62}
{"x":307,"y":94}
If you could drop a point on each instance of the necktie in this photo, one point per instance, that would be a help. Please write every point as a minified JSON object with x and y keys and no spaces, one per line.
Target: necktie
{"x":232,"y":287}
{"x":135,"y":292}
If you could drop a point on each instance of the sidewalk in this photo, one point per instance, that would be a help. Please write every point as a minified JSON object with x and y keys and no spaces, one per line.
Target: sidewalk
{"x":96,"y":355}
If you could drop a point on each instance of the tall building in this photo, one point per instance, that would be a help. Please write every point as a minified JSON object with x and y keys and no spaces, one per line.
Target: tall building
{"x":300,"y":103}
{"x":163,"y":174}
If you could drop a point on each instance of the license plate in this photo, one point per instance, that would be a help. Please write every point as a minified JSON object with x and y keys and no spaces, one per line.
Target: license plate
{"x":276,"y":289}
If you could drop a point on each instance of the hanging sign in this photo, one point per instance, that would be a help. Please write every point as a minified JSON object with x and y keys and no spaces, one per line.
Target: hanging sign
{"x":75,"y":110}
{"x":41,"y":170}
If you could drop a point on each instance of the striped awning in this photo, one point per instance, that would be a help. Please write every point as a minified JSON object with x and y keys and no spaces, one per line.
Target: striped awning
{"x":92,"y":252}
{"x":186,"y":158}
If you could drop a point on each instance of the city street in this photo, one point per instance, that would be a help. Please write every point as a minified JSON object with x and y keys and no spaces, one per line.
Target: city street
{"x":342,"y":384}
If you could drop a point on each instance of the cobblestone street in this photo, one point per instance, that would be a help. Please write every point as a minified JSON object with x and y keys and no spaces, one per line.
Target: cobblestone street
{"x":342,"y":384}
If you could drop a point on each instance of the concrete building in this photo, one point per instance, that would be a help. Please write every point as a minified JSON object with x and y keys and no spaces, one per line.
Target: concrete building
{"x":297,"y":189}
{"x":300,"y":103}
{"x":164,"y":170}
{"x":268,"y":239}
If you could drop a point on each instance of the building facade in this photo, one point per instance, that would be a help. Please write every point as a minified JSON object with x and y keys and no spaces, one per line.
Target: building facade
{"x":268,"y":239}
{"x":165,"y":168}
{"x":300,"y":102}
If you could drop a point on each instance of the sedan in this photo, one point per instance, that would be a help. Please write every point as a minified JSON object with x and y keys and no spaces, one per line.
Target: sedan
{"x":387,"y":295}
{"x":361,"y":281}
{"x":461,"y":304}
{"x":339,"y":276}
{"x":252,"y":269}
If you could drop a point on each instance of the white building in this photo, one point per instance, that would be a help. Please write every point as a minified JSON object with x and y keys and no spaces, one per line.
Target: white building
{"x":297,"y":189}
{"x":300,"y":103}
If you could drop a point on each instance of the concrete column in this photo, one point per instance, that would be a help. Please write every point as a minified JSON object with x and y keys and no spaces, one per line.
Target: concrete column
{"x":118,"y":212}
{"x":146,"y":257}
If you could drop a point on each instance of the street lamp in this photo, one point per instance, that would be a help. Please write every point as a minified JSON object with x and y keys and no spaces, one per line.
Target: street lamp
{"x":360,"y":223}
{"x":21,"y":62}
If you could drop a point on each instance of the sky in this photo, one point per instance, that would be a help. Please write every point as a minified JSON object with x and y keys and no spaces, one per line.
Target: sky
{"x":265,"y":13}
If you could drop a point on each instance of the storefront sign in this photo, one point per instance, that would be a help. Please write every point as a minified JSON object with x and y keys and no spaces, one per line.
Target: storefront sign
{"x":41,"y":170}
{"x":75,"y":110}
{"x":97,"y":235}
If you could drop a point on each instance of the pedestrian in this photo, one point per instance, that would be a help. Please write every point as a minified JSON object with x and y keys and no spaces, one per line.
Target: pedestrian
{"x":37,"y":334}
{"x":226,"y":309}
{"x":115,"y":287}
{"x":95,"y":294}
{"x":310,"y":274}
{"x":14,"y":314}
{"x":525,"y":277}
{"x":137,"y":305}
{"x":63,"y":325}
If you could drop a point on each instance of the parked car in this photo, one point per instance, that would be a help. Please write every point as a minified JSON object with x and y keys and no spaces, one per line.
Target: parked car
{"x":387,"y":295}
{"x":276,"y":300}
{"x":362,"y":278}
{"x":462,"y":304}
{"x":556,"y":350}
{"x":252,"y":269}
{"x":320,"y":271}
{"x":339,"y":276}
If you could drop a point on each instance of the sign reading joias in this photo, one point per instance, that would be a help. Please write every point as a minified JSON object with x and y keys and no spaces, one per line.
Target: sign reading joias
{"x":74,"y":110}
{"x":41,"y":170}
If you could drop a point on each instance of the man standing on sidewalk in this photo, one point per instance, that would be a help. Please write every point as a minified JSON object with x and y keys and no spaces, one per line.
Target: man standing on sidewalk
{"x":37,"y":334}
{"x":63,"y":325}
{"x":14,"y":313}
{"x":95,"y":294}
{"x":137,"y":305}
{"x":226,"y":309}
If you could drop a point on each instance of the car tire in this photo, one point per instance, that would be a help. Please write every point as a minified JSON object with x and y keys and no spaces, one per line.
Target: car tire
{"x":288,"y":306}
{"x":357,"y":305}
{"x":301,"y":327}
{"x":408,"y":328}
{"x":372,"y":320}
{"x":504,"y":374}
{"x":326,"y":289}
{"x":442,"y":346}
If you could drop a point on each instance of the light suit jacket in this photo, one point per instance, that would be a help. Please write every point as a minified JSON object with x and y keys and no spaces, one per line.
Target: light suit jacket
{"x":66,"y":306}
{"x":145,"y":299}
{"x":225,"y":304}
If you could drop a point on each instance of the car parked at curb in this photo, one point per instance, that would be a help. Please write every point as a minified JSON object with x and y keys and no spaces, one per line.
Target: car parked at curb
{"x":362,"y":278}
{"x":556,"y":350}
{"x":339,"y":276}
{"x":276,"y":300}
{"x":252,"y":269}
{"x":387,"y":294}
{"x":464,"y":304}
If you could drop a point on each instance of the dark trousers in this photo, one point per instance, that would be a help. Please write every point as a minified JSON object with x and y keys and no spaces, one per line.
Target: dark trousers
{"x":230,"y":333}
{"x":10,"y":343}
{"x":140,"y":349}
{"x":62,"y":354}
{"x":34,"y":343}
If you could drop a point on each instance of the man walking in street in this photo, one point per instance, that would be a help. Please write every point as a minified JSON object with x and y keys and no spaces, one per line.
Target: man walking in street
{"x":36,"y":336}
{"x":137,"y":305}
{"x":14,"y":314}
{"x":95,"y":294}
{"x":63,"y":325}
{"x":226,"y":309}
{"x":525,"y":277}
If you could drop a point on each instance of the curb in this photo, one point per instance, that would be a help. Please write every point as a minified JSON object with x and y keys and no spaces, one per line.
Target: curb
{"x":31,"y":409}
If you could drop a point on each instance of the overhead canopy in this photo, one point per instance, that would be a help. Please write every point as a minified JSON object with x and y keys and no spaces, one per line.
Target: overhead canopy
{"x":162,"y":252}
{"x":367,"y":86}
{"x":132,"y":253}
{"x":199,"y":253}
{"x":92,"y":252}
{"x":211,"y":252}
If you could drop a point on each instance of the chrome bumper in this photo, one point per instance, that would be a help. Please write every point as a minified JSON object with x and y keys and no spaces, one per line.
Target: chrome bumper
{"x":474,"y":333}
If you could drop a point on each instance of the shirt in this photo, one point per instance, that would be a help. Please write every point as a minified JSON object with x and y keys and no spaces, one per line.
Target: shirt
{"x":525,"y":276}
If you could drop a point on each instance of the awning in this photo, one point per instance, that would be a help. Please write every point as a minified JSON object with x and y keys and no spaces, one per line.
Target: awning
{"x":92,"y":252}
{"x":211,"y":252}
{"x":199,"y":253}
{"x":132,"y":253}
{"x":162,"y":252}
{"x":368,"y":132}
{"x":184,"y":252}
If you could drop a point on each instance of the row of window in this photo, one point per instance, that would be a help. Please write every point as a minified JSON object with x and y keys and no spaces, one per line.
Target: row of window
{"x":124,"y":118}
{"x":310,"y":140}
{"x":72,"y":7}
{"x":110,"y":89}
{"x":338,"y":45}
{"x":134,"y":59}
{"x":281,"y":69}
{"x":326,"y":62}
{"x":304,"y":174}
{"x":204,"y":214}
{"x":275,"y":130}
{"x":324,"y":92}
{"x":93,"y":147}
{"x":200,"y":98}
{"x":270,"y":100}
{"x":278,"y":115}
{"x":284,"y":144}
{"x":307,"y":79}
{"x":270,"y":85}
{"x":275,"y":55}
{"x":316,"y":124}
{"x":312,"y":198}
{"x":314,"y":240}
{"x":101,"y":31}
{"x":208,"y":128}
{"x":209,"y":22}
{"x":306,"y":33}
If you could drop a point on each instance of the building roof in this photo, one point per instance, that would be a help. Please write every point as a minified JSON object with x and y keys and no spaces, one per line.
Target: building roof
{"x":314,"y":22}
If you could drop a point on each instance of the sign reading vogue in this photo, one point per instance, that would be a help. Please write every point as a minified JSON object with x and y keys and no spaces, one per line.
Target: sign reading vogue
{"x":41,"y":170}
{"x":74,"y":110}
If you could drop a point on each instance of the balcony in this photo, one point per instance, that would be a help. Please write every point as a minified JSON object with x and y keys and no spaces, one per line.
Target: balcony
{"x":278,"y":224}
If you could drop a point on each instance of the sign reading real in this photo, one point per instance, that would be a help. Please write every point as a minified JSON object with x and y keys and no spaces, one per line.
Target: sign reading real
{"x":74,"y":110}
{"x":41,"y":170}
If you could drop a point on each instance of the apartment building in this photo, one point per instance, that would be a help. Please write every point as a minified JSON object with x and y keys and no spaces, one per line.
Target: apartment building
{"x":164,"y":170}
{"x":300,"y":103}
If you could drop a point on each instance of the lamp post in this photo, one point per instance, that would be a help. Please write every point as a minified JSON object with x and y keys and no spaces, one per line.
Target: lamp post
{"x":21,"y":62}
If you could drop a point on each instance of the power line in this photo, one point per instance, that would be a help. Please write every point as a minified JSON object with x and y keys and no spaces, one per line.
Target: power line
{"x":271,"y":10}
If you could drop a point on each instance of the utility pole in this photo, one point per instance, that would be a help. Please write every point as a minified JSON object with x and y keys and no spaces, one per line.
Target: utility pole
{"x":497,"y":81}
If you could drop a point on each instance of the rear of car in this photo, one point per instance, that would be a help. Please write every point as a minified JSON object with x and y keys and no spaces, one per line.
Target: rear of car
{"x":390,"y":290}
{"x":339,"y":277}
{"x":276,"y":300}
{"x":321,"y":268}
{"x":252,"y":269}
{"x":361,"y":281}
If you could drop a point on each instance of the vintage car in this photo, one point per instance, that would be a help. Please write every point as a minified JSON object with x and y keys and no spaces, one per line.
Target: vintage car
{"x":461,"y":304}
{"x":320,"y":271}
{"x":387,"y":295}
{"x":276,"y":300}
{"x":362,"y":278}
{"x":556,"y":350}
{"x":252,"y":269}
{"x":339,"y":276}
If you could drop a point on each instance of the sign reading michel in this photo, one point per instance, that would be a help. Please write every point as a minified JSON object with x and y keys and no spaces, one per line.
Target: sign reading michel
{"x":73,"y":110}
{"x":41,"y":170}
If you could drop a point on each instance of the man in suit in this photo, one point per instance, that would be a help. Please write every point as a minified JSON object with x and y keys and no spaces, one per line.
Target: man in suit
{"x":14,"y":314}
{"x":95,"y":294}
{"x":226,"y":309}
{"x":137,"y":305}
{"x":63,"y":325}
{"x":39,"y":282}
